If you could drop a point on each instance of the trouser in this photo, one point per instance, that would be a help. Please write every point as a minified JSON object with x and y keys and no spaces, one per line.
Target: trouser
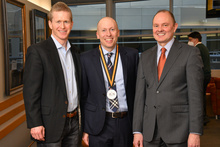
{"x":117,"y":132}
{"x":70,"y":136}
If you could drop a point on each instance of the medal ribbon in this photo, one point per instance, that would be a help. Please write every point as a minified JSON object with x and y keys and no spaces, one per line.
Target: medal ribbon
{"x":110,"y":79}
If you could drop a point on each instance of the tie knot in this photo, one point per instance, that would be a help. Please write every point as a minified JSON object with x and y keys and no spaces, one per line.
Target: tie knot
{"x":109,"y":55}
{"x":163,"y":50}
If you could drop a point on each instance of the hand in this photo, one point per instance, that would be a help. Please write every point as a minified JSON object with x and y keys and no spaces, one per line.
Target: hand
{"x":138,"y":140}
{"x":194,"y":140}
{"x":38,"y":133}
{"x":85,"y":138}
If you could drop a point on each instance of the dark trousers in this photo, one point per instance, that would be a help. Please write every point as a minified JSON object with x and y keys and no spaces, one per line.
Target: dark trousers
{"x":70,"y":136}
{"x":161,"y":143}
{"x":117,"y":132}
{"x":206,"y":82}
{"x":158,"y":141}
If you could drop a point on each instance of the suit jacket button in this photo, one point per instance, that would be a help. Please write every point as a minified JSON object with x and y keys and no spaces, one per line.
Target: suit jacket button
{"x":103,"y":109}
{"x":158,"y":91}
{"x":65,"y":102}
{"x":64,"y":116}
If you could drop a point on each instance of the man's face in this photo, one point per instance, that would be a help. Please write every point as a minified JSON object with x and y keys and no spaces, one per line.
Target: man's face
{"x":108,"y":33}
{"x":163,"y":28}
{"x":61,"y":25}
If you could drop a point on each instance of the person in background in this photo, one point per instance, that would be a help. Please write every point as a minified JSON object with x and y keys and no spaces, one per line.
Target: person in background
{"x":52,"y":84}
{"x":168,"y":108}
{"x":195,"y":39}
{"x":108,"y":89}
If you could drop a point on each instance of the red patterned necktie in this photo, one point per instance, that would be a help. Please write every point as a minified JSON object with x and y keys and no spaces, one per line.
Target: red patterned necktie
{"x":161,"y":63}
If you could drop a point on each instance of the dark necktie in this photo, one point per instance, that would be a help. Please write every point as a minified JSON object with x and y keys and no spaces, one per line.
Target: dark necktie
{"x":161,"y":63}
{"x":114,"y":105}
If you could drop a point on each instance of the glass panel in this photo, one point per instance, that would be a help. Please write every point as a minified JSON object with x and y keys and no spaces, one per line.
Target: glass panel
{"x":85,"y":18}
{"x":40,"y":31}
{"x":138,"y":15}
{"x":15,"y":38}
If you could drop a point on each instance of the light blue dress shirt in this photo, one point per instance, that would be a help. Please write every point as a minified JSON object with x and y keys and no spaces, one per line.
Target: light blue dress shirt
{"x":119,"y":80}
{"x":69,"y":74}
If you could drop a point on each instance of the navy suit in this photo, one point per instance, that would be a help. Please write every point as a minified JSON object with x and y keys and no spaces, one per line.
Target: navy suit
{"x":93,"y":100}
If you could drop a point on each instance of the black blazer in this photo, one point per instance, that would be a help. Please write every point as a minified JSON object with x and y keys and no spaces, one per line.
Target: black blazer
{"x":93,"y":87}
{"x":44,"y":89}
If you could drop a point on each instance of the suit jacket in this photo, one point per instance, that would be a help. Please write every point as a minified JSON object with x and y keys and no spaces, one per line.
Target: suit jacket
{"x":175,"y":102}
{"x":45,"y":90}
{"x":93,"y":87}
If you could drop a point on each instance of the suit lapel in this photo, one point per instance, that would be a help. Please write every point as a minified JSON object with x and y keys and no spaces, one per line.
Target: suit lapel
{"x":77,"y":68}
{"x":124,"y":60}
{"x":172,"y":57}
{"x":55,"y":61}
{"x":97,"y":62}
{"x":154,"y":65}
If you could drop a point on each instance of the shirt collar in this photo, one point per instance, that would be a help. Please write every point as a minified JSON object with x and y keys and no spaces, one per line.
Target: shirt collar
{"x":58,"y":45}
{"x":105,"y":51}
{"x":167,"y":46}
{"x":198,"y":43}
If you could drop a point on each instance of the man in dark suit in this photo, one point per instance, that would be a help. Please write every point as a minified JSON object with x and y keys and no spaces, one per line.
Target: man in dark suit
{"x":108,"y":89}
{"x":52,"y":84}
{"x":195,"y":39}
{"x":168,"y":108}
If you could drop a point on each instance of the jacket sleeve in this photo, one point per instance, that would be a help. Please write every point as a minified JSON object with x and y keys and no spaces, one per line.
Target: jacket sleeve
{"x":33,"y":76}
{"x":195,"y":79}
{"x":139,"y":100}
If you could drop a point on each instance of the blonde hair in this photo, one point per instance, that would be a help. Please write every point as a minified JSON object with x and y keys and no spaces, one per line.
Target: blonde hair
{"x":59,"y":6}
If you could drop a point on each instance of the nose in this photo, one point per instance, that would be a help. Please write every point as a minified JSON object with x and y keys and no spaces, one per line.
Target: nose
{"x":108,"y":33}
{"x":62,"y":25}
{"x":160,"y":28}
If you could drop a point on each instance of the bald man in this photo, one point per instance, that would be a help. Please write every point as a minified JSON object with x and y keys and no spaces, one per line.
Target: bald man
{"x":108,"y":89}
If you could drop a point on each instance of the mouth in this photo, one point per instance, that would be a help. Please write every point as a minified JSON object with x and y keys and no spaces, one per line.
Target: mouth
{"x":161,"y":34}
{"x":109,"y":40}
{"x":62,"y":31}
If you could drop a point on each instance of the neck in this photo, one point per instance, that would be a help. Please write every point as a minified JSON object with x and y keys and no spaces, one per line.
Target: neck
{"x":108,"y":49}
{"x":62,"y":42}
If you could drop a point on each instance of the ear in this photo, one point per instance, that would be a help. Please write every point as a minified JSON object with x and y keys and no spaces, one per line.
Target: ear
{"x":50,"y":24}
{"x":72,"y":24}
{"x":175,"y":26}
{"x":97,"y":35}
{"x":118,"y":33}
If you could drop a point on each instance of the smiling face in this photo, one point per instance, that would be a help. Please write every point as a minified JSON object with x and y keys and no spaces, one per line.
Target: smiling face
{"x":61,"y":25}
{"x":163,"y":28}
{"x":108,"y":33}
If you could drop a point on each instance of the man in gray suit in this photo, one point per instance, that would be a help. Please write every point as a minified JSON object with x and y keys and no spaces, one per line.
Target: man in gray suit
{"x":168,"y":109}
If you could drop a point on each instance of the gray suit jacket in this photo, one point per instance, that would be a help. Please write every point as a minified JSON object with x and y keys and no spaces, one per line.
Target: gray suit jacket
{"x":175,"y":102}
